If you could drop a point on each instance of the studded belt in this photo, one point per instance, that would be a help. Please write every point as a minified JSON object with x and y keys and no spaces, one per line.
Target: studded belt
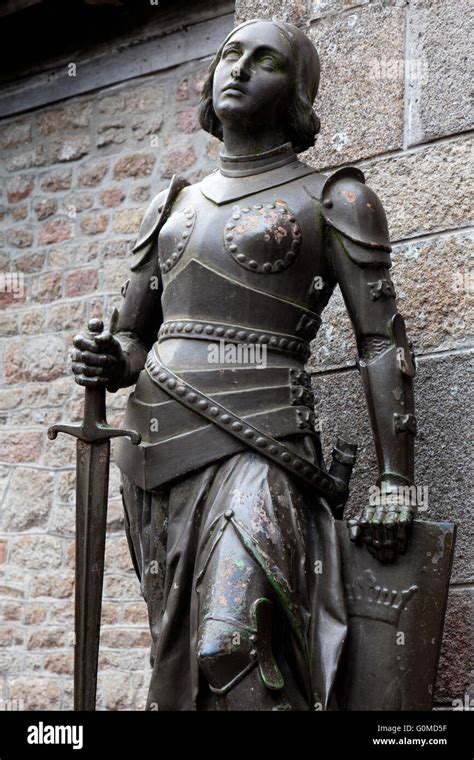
{"x":219,"y":415}
{"x":191,"y":328}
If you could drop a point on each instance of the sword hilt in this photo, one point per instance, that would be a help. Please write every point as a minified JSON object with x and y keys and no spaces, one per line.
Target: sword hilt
{"x":94,"y":426}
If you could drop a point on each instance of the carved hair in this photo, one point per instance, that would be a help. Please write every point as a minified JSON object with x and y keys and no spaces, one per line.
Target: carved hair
{"x":303,"y":124}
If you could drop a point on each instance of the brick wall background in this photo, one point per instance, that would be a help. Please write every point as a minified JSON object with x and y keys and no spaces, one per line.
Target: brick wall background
{"x":76,"y":179}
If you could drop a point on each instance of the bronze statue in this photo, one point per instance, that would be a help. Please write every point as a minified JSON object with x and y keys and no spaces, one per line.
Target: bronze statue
{"x":230,"y":509}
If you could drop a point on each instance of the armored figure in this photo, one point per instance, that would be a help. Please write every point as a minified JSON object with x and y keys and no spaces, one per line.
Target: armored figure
{"x":230,"y":508}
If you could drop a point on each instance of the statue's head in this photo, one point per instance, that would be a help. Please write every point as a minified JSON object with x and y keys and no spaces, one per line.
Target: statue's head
{"x":265,"y":74}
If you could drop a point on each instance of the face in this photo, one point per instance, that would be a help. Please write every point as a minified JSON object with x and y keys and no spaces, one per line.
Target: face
{"x":252,"y":83}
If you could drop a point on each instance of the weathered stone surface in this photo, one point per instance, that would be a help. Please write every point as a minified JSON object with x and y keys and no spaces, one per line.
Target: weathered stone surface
{"x":74,"y":204}
{"x":177,"y":160}
{"x":20,"y":237}
{"x":35,"y":394}
{"x":140,"y":193}
{"x":60,"y":258}
{"x":424,"y":190}
{"x":62,"y":453}
{"x":38,"y":552}
{"x":438,"y":36}
{"x":128,"y":222}
{"x":10,"y":636}
{"x":111,"y":613}
{"x":9,"y":398}
{"x":147,"y":127}
{"x":47,"y":638}
{"x":56,"y":231}
{"x":34,"y":613}
{"x":136,"y":614}
{"x":434,"y":290}
{"x":19,"y":188}
{"x":182,"y":90}
{"x":117,"y":555}
{"x":87,"y":253}
{"x":187,"y":120}
{"x":92,"y":174}
{"x":110,"y":134}
{"x":440,"y":445}
{"x":39,"y":358}
{"x":62,"y":611}
{"x":121,"y":587}
{"x":360,"y":107}
{"x":320,"y":7}
{"x":213,"y":148}
{"x":115,"y":516}
{"x":54,"y":182}
{"x":46,"y":287}
{"x":79,"y":282}
{"x":136,"y":659}
{"x":27,"y":159}
{"x":3,"y":550}
{"x":28,"y":262}
{"x":113,"y":691}
{"x":65,"y":487}
{"x":63,"y":519}
{"x":14,"y":134}
{"x":294,"y":11}
{"x":58,"y":586}
{"x":36,"y":693}
{"x":125,"y":638}
{"x":10,"y":611}
{"x":112,"y":196}
{"x":19,"y":212}
{"x":113,"y":276}
{"x":66,"y":316}
{"x":132,"y":100}
{"x":19,"y":446}
{"x":8,"y":325}
{"x":134,"y":165}
{"x":70,"y":148}
{"x":29,"y":499}
{"x":33,"y":321}
{"x":45,"y":207}
{"x":456,"y":650}
{"x":94,"y":224}
{"x":60,"y":664}
{"x":73,"y":116}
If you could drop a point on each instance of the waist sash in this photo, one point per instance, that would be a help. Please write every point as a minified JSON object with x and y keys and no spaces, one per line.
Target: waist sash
{"x":219,"y":415}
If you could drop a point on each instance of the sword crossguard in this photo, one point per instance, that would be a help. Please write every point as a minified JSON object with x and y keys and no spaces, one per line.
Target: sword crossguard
{"x":94,"y":427}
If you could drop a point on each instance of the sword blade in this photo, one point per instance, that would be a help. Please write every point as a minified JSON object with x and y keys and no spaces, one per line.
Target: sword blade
{"x":92,"y":487}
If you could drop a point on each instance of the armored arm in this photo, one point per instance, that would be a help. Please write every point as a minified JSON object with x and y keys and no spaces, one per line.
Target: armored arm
{"x":358,"y":248}
{"x":137,"y":323}
{"x":139,"y":317}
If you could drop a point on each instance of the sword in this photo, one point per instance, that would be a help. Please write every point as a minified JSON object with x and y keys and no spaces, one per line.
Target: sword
{"x":92,"y":485}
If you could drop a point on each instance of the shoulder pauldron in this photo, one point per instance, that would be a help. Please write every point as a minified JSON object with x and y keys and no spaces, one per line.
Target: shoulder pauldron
{"x":155,"y":216}
{"x":354,"y":210}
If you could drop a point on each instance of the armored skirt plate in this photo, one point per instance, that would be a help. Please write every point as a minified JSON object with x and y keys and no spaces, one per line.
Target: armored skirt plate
{"x":263,"y":238}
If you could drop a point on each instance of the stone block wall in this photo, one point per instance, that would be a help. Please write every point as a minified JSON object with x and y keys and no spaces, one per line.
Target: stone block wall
{"x":76,"y":178}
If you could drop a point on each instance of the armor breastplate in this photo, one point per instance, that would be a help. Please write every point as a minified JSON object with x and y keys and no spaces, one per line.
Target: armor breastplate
{"x":242,"y":262}
{"x":247,"y":269}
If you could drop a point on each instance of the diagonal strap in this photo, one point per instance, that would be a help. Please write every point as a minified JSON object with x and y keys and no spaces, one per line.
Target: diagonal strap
{"x":222,"y":417}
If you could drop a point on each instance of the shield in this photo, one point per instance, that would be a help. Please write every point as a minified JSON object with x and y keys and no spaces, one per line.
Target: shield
{"x":395,"y":620}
